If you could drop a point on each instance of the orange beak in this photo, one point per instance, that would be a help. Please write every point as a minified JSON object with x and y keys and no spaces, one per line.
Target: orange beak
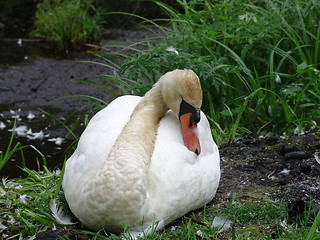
{"x":190,"y":134}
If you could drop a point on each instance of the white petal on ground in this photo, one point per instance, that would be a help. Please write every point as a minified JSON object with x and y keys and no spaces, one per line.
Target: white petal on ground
{"x":2,"y":226}
{"x":21,"y":131}
{"x":173,"y":228}
{"x":285,"y":171}
{"x":59,"y":214}
{"x":284,"y":224}
{"x":7,"y":183}
{"x":19,"y":42}
{"x":222,"y":223}
{"x":35,"y":135}
{"x":16,"y":114}
{"x":24,"y":131}
{"x":298,"y":131}
{"x":57,"y":140}
{"x":199,"y":233}
{"x":31,"y":116}
{"x":10,"y":219}
{"x":2,"y":125}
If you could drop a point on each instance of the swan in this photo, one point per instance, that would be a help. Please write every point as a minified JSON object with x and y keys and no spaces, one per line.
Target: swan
{"x":143,"y":162}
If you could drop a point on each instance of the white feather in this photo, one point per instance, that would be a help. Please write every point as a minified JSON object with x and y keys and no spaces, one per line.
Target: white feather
{"x":59,"y":214}
{"x":222,"y":223}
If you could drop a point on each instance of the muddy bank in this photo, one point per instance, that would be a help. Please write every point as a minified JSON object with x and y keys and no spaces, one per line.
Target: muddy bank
{"x":37,"y":77}
{"x":33,"y":79}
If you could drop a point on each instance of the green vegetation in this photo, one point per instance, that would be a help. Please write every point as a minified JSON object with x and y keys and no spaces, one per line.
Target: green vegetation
{"x":12,"y":149}
{"x":26,"y":201}
{"x":67,"y":23}
{"x":5,"y":156}
{"x":25,"y":211}
{"x":258,"y":62}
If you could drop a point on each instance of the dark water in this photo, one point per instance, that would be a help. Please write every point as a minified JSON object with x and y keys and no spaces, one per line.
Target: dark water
{"x":34,"y":79}
{"x":17,"y":17}
{"x":31,"y":80}
{"x":36,"y":129}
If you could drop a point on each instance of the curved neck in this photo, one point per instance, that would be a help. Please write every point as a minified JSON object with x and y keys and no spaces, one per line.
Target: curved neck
{"x":129,"y":158}
{"x":140,"y":133}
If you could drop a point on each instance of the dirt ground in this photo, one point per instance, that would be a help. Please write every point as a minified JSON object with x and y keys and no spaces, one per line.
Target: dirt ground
{"x":270,"y":167}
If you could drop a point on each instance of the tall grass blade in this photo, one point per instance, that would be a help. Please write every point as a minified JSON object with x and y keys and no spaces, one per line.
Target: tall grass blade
{"x":313,"y":230}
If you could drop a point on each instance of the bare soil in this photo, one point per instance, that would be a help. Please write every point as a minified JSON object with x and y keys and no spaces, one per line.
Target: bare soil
{"x":272,"y":167}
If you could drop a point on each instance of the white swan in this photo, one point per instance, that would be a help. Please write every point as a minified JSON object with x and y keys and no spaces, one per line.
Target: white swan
{"x":133,"y":167}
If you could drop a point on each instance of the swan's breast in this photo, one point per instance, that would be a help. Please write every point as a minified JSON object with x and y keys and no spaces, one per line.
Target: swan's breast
{"x":179,"y":180}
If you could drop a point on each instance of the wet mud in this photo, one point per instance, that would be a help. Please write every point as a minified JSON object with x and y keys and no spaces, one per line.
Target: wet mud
{"x":39,"y":90}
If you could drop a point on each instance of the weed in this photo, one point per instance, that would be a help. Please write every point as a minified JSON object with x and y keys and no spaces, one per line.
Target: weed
{"x":67,"y":23}
{"x":257,"y":61}
{"x":11,"y":150}
{"x":26,"y":201}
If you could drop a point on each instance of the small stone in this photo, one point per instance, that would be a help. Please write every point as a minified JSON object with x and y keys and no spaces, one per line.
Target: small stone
{"x":305,"y":168}
{"x":284,"y":180}
{"x":295,"y":172}
{"x":296,"y":155}
{"x":288,"y":148}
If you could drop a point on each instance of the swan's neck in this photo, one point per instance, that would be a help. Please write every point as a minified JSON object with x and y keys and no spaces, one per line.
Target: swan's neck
{"x":139,"y":135}
{"x":125,"y":170}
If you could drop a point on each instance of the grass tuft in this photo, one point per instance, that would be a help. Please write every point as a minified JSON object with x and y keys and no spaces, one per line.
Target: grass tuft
{"x":257,"y":61}
{"x":67,"y":23}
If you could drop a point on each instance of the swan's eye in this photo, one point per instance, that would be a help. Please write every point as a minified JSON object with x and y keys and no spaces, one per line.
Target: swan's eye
{"x":187,"y":108}
{"x":196,"y":116}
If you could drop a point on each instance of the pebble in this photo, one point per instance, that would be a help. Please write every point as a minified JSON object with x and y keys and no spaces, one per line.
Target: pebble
{"x":296,"y":155}
{"x":305,"y":168}
{"x":288,"y":148}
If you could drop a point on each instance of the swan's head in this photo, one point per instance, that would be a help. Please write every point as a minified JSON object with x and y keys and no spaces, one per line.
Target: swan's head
{"x":182,"y":93}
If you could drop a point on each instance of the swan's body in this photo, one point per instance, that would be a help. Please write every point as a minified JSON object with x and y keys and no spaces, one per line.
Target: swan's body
{"x":130,"y":170}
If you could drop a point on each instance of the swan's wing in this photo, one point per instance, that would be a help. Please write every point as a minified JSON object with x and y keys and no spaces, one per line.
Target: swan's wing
{"x":95,"y":144}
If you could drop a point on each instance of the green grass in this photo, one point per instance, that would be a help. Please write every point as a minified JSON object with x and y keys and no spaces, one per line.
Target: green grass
{"x":258,"y":63}
{"x":27,"y":202}
{"x":12,"y":149}
{"x":5,"y":156}
{"x":67,"y":23}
